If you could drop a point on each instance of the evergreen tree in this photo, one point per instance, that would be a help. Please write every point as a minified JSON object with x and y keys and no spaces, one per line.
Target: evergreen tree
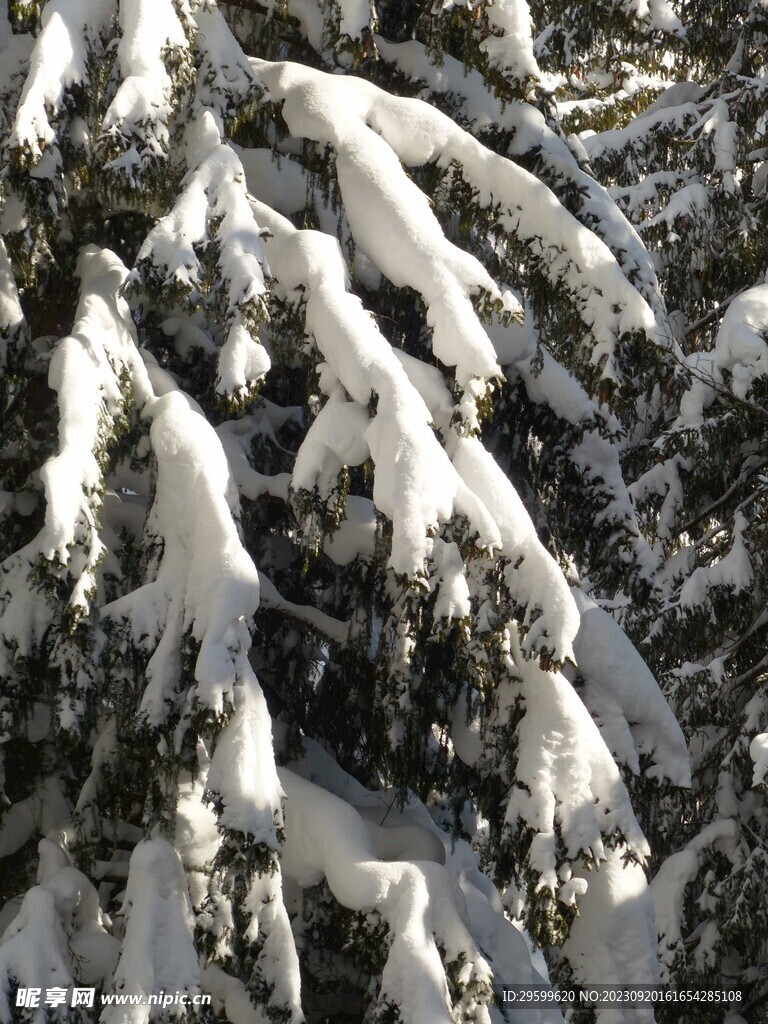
{"x":327,"y":353}
{"x":690,"y":174}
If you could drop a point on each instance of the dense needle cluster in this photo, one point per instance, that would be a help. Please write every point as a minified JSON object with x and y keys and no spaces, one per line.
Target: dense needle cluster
{"x":383,"y":495}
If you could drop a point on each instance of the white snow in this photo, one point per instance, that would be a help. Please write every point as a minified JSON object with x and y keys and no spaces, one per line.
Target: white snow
{"x":11,"y":316}
{"x":224,"y":78}
{"x":533,"y":576}
{"x":205,"y":582}
{"x":325,"y":837}
{"x":58,"y":61}
{"x":196,"y":836}
{"x":758,"y":751}
{"x":741,"y":346}
{"x":157,"y":952}
{"x":733,"y":570}
{"x":33,"y":947}
{"x":355,"y":15}
{"x":356,"y":536}
{"x":664,"y":19}
{"x":84,"y":371}
{"x":142,"y":106}
{"x":335,"y":439}
{"x":566,"y":778}
{"x":275,"y":180}
{"x":663,"y":478}
{"x":414,"y":483}
{"x":332,"y":807}
{"x":633,"y":716}
{"x":529,"y":132}
{"x":614,"y":935}
{"x":44,"y":809}
{"x":230,"y":996}
{"x":548,"y":382}
{"x":59,"y":933}
{"x":242,"y":773}
{"x":338,"y":111}
{"x":675,"y":873}
{"x":213,"y":207}
{"x":510,"y":46}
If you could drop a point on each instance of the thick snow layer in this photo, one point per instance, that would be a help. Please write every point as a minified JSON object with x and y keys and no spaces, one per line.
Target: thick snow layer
{"x":217,"y":588}
{"x":11,"y":316}
{"x":335,"y":439}
{"x":316,"y":619}
{"x":205,"y":582}
{"x":309,"y":15}
{"x":740,"y":348}
{"x":664,"y":19}
{"x":142,"y":105}
{"x":236,"y":437}
{"x":533,"y":576}
{"x":243,"y":362}
{"x":675,"y":873}
{"x":663,"y":478}
{"x":104,"y":750}
{"x":673,"y":118}
{"x":690,"y":201}
{"x":414,"y":483}
{"x":230,"y":997}
{"x":44,"y":809}
{"x":93,"y":950}
{"x":370,"y":130}
{"x":614,"y":935}
{"x":59,"y":60}
{"x":273,"y":179}
{"x":158,"y":952}
{"x":598,"y":460}
{"x":725,"y":136}
{"x":355,"y":15}
{"x":734,"y":570}
{"x":619,"y":689}
{"x":34,"y":946}
{"x":466,"y":735}
{"x":213,"y":208}
{"x":529,"y":132}
{"x":224,"y":77}
{"x":475,"y":898}
{"x":59,"y":934}
{"x":356,"y":536}
{"x":196,"y":836}
{"x":84,"y":371}
{"x":450,"y":76}
{"x":242,"y":775}
{"x":327,"y":838}
{"x":758,"y":751}
{"x":566,"y":778}
{"x":510,"y":46}
{"x":453,"y":598}
{"x":270,"y":929}
{"x":548,"y":382}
